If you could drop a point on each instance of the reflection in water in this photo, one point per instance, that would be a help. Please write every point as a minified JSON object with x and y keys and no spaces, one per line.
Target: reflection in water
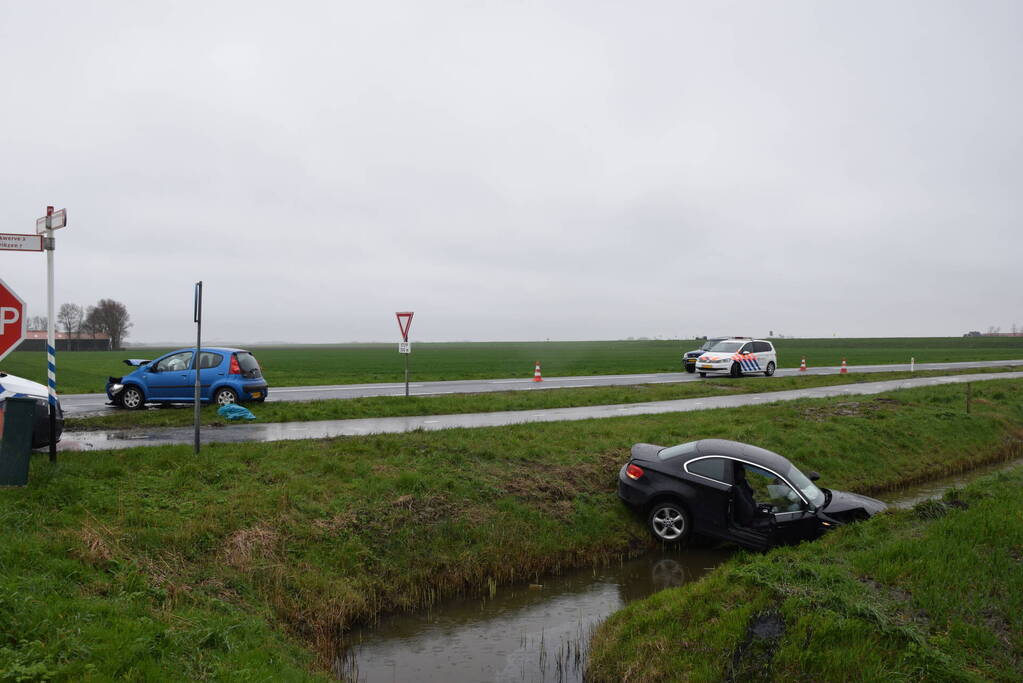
{"x":524,"y":633}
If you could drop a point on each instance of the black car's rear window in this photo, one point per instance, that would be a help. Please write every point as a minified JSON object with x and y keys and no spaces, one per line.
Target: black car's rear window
{"x":247,"y":362}
{"x":675,"y":451}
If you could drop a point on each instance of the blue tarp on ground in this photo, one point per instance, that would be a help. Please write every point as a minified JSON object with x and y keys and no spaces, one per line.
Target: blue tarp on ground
{"x":233,"y":411}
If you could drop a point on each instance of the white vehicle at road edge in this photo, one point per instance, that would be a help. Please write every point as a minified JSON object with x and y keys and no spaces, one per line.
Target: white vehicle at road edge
{"x":738,"y":357}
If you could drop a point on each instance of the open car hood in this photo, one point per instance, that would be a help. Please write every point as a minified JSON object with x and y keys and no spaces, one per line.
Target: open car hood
{"x":136,"y":362}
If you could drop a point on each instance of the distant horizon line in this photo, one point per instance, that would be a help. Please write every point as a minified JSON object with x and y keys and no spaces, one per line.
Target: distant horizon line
{"x":221,"y":342}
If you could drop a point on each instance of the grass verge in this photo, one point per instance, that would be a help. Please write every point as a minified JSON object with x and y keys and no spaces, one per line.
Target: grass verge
{"x":402,"y":406}
{"x":933,"y":593}
{"x":225,"y":564}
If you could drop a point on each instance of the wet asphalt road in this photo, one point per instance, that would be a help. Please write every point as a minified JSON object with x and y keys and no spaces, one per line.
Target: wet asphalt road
{"x":392,"y":425}
{"x":78,"y":405}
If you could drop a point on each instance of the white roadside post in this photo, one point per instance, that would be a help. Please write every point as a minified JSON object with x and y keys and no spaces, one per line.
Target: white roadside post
{"x":45,"y":226}
{"x":404,"y":323}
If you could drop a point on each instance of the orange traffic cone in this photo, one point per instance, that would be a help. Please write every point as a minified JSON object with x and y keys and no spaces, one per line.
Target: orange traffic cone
{"x":802,"y":365}
{"x":844,"y":370}
{"x":536,"y":373}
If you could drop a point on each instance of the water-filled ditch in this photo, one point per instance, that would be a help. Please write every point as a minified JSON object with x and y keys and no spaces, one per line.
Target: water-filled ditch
{"x":540,"y":631}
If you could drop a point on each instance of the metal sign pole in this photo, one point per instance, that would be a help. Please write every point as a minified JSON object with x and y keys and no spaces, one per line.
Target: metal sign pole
{"x":197,"y":304}
{"x":404,"y":347}
{"x":51,"y":348}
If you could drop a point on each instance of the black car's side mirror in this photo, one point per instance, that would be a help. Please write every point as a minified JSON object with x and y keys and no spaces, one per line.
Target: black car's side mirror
{"x":813,"y":476}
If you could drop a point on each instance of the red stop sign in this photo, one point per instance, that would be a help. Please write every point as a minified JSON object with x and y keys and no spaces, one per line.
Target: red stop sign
{"x":12,"y":319}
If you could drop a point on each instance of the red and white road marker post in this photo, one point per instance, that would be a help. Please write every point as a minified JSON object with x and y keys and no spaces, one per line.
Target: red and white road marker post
{"x":844,"y":370}
{"x":537,"y":377}
{"x":404,"y":323}
{"x":802,"y":365}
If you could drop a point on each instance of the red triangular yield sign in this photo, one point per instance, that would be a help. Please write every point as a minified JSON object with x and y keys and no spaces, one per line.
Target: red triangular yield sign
{"x":404,"y":323}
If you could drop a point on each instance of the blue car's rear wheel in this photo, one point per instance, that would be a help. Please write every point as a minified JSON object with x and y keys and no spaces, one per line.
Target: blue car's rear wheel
{"x":669,"y":522}
{"x":132,"y":398}
{"x":225,"y":396}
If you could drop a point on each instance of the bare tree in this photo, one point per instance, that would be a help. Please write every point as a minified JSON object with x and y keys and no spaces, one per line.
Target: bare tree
{"x":69,"y":317}
{"x":37,"y":322}
{"x":111,"y":318}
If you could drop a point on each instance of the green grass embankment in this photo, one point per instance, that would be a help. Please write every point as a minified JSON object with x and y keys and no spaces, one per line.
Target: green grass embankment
{"x":220,"y":565}
{"x":87,"y":371}
{"x":929,"y":594}
{"x":405,"y":406}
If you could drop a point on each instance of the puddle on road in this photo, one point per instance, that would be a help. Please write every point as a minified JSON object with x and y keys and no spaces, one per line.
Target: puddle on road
{"x":522,"y":633}
{"x":526,"y":633}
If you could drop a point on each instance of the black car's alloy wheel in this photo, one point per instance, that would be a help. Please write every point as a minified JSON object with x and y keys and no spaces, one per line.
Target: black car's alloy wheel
{"x":225,"y":396}
{"x":669,"y":522}
{"x":132,"y":398}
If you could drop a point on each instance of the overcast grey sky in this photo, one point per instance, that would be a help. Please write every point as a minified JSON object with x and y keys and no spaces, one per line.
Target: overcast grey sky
{"x":519,"y":170}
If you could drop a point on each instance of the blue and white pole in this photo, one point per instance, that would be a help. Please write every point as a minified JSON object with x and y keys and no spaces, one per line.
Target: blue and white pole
{"x":51,"y":346}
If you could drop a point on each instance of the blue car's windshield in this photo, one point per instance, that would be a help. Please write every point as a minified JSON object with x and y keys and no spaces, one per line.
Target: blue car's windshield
{"x":806,"y":487}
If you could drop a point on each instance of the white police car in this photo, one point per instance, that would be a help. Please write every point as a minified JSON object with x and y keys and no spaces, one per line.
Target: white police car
{"x":19,"y":387}
{"x":739,"y":356}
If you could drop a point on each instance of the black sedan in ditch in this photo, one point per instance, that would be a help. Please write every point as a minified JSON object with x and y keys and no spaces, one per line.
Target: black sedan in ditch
{"x":735,"y":492}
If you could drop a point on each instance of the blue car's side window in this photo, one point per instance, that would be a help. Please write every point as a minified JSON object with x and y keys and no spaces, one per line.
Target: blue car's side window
{"x":175,"y":362}
{"x":208,"y":359}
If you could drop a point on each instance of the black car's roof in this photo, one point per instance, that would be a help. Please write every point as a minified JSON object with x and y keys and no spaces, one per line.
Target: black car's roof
{"x":705,"y":447}
{"x":744,"y":451}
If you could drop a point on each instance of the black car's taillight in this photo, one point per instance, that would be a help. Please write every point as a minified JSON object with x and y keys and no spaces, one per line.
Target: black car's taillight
{"x":633,"y":471}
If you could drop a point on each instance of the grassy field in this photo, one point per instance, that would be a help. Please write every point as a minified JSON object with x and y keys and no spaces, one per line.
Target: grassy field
{"x":401,"y":406}
{"x":86,"y":372}
{"x":224,"y":565}
{"x":932,"y":594}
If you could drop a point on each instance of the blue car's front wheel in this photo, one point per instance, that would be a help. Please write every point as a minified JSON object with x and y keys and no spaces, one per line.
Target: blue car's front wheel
{"x":132,"y":398}
{"x":225,"y":396}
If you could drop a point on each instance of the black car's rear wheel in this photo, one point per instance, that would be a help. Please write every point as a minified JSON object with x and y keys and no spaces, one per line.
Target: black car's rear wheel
{"x":132,"y":398}
{"x":690,"y":367}
{"x":703,"y":374}
{"x":669,"y":522}
{"x":736,"y":370}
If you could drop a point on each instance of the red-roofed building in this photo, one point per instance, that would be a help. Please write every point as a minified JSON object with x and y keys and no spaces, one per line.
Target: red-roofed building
{"x":35,"y":340}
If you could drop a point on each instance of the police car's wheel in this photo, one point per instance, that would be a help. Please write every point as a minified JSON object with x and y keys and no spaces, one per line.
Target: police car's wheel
{"x":770,"y":369}
{"x":736,"y":370}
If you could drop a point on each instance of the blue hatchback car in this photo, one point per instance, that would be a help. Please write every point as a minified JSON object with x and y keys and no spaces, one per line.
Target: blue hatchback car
{"x":225,"y":376}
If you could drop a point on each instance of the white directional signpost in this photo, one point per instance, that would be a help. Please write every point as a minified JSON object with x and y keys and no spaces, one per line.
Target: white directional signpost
{"x":15,"y":242}
{"x":53,"y":220}
{"x":404,"y":323}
